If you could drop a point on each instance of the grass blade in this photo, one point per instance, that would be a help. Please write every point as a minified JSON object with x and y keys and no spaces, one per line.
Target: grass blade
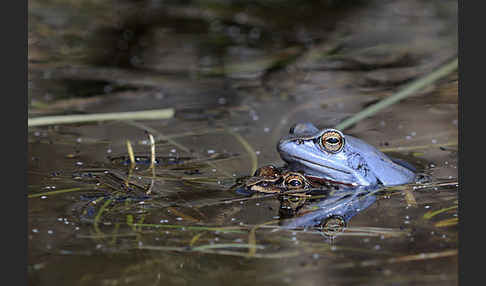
{"x":405,"y":92}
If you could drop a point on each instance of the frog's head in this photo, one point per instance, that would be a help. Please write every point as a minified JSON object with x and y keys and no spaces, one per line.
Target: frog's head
{"x":321,"y":151}
{"x":331,"y":155}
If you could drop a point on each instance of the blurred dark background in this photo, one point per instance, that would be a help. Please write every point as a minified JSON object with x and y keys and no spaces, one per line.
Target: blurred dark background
{"x":214,"y":50}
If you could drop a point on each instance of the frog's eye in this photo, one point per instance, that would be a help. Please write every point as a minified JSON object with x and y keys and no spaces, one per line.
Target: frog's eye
{"x":294,"y":181}
{"x":332,"y":141}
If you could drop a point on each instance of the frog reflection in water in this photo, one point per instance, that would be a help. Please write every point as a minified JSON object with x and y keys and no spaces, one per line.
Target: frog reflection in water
{"x":329,"y":210}
{"x":330,"y":155}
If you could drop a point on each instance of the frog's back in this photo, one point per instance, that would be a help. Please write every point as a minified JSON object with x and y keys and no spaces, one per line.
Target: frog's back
{"x":387,"y":171}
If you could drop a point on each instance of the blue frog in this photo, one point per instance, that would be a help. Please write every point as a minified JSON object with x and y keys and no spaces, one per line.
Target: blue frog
{"x":330,"y":155}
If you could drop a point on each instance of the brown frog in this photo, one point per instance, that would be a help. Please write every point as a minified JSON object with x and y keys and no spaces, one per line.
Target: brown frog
{"x":271,"y":179}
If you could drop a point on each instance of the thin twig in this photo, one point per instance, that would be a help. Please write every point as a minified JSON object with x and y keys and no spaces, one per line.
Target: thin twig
{"x":248,"y":148}
{"x":152,"y":161}
{"x":57,"y":192}
{"x":252,"y":238}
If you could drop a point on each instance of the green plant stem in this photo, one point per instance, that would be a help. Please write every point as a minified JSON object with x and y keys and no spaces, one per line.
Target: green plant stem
{"x":134,"y":115}
{"x":405,"y":92}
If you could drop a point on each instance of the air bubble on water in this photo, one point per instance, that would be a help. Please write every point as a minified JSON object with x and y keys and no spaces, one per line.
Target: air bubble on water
{"x":159,"y":95}
{"x":43,"y":197}
{"x":222,"y":100}
{"x":35,"y":230}
{"x":257,"y":152}
{"x":408,"y":137}
{"x":179,"y":218}
{"x":211,"y":151}
{"x":50,"y":231}
{"x":434,"y":141}
{"x":266,"y":129}
{"x":253,"y":115}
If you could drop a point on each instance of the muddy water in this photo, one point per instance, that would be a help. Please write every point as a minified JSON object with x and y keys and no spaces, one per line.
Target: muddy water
{"x":237,"y":79}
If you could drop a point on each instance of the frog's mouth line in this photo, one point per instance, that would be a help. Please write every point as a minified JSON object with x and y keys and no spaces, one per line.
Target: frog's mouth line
{"x":320,"y":165}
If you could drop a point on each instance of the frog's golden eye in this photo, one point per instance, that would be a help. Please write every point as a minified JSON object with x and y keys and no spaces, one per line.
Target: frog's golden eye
{"x":294,"y":181}
{"x":332,"y":141}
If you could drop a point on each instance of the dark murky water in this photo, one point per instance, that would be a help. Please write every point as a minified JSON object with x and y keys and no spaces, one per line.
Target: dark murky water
{"x":238,"y":76}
